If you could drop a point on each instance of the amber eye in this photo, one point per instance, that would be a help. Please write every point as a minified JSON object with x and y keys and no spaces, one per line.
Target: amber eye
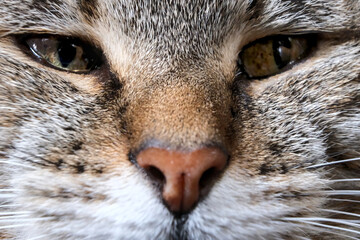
{"x":65,"y":53}
{"x":268,"y":56}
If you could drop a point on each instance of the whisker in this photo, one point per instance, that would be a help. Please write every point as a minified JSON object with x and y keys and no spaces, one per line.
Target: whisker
{"x":339,"y":192}
{"x":333,"y":227}
{"x":320,"y":219}
{"x":38,"y":237}
{"x":303,"y":220}
{"x":17,"y":164}
{"x":13,"y":217}
{"x":303,"y":238}
{"x":346,"y":180}
{"x":13,"y":213}
{"x":9,"y":205}
{"x":331,"y":232}
{"x":334,"y":162}
{"x":9,"y":190}
{"x":14,"y":226}
{"x":343,"y":200}
{"x":17,"y":219}
{"x":341,"y":212}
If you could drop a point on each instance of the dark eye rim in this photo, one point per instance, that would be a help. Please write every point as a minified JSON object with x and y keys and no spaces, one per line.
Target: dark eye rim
{"x":312,"y":40}
{"x":24,"y":47}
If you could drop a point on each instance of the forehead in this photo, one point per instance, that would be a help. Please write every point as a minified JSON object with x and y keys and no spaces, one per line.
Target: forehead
{"x":172,"y":17}
{"x":204,"y":20}
{"x":173,"y":27}
{"x":170,"y":27}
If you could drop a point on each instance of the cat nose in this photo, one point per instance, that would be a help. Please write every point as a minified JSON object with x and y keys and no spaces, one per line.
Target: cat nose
{"x":182,"y":174}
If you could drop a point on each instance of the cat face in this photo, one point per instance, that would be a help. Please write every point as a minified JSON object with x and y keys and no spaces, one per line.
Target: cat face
{"x":179,"y":120}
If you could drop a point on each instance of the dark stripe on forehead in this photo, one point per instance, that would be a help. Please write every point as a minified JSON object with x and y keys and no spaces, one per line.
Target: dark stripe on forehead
{"x":255,"y":8}
{"x":297,"y":2}
{"x":252,"y":4}
{"x":41,"y":4}
{"x":89,"y":9}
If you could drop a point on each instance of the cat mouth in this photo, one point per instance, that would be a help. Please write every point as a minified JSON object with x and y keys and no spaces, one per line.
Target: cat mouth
{"x":178,"y":231}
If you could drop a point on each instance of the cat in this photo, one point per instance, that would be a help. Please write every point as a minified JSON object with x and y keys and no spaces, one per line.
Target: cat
{"x":183,"y":120}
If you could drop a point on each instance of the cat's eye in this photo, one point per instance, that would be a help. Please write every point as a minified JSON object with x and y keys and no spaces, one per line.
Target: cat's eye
{"x":64,"y":53}
{"x":269,"y":56}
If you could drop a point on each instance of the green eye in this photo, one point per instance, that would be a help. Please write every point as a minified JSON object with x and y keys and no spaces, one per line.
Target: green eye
{"x":267,"y":57}
{"x":65,"y":53}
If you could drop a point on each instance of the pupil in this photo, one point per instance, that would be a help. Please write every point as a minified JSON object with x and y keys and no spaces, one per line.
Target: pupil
{"x":67,"y":53}
{"x":281,"y":55}
{"x":284,"y":42}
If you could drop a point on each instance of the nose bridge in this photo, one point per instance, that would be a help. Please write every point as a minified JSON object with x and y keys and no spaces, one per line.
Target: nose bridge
{"x":183,"y":114}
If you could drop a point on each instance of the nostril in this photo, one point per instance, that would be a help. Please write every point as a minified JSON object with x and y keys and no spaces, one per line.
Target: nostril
{"x":182,"y":177}
{"x":156,"y":175}
{"x":208,"y":177}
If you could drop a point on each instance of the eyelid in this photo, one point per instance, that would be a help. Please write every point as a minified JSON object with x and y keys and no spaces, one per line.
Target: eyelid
{"x":21,"y":41}
{"x":311,"y":40}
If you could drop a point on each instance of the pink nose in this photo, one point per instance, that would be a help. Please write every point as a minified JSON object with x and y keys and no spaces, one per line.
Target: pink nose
{"x":184,"y":172}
